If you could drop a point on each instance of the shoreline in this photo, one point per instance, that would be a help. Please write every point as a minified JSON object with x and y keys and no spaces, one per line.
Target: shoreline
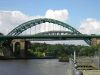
{"x":12,"y":58}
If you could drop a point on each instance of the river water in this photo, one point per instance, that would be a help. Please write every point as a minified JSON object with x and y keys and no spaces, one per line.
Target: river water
{"x":33,"y":67}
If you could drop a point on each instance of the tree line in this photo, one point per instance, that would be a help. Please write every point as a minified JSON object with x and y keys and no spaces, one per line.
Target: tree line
{"x":60,"y":50}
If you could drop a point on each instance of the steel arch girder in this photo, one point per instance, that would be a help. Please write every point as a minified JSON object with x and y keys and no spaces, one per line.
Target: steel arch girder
{"x":19,"y":29}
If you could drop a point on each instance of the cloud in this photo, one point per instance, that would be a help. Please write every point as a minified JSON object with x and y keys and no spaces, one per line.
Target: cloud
{"x":57,"y":14}
{"x":11,"y":19}
{"x":71,"y":42}
{"x":90,"y":26}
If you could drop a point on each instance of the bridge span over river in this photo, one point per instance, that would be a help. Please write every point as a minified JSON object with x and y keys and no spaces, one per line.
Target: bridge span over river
{"x":65,"y":32}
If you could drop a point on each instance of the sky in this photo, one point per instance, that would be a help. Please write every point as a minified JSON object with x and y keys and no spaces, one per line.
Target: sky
{"x":80,"y":14}
{"x":77,"y":8}
{"x":78,"y":11}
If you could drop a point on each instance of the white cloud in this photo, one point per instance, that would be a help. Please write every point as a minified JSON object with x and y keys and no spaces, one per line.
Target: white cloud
{"x":90,"y":26}
{"x":72,"y":42}
{"x":57,"y":14}
{"x":10,"y":19}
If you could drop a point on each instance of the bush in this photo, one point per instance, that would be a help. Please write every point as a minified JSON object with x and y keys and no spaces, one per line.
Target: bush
{"x":64,"y":59}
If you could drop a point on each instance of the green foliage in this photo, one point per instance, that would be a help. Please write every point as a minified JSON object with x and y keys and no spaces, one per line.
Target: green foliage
{"x":61,"y":50}
{"x":30,"y":53}
{"x":38,"y":54}
{"x":64,"y":59}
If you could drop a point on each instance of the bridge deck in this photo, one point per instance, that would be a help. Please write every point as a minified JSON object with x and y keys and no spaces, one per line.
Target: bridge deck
{"x":51,"y":37}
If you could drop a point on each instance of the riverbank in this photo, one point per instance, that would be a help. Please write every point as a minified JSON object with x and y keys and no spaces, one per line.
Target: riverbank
{"x":60,"y":59}
{"x":13,"y":58}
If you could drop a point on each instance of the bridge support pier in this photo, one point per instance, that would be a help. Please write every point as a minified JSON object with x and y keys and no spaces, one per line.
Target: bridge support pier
{"x":19,"y":47}
{"x":95,"y":41}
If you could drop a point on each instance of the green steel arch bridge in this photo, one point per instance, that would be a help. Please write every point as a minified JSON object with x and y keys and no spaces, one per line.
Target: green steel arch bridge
{"x":72,"y":34}
{"x":47,"y":35}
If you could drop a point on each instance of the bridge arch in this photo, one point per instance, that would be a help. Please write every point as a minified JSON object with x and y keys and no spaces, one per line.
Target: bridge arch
{"x":19,"y":29}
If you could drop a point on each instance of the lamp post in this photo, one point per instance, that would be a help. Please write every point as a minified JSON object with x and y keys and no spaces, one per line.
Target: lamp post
{"x":75,"y":71}
{"x":74,"y":57}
